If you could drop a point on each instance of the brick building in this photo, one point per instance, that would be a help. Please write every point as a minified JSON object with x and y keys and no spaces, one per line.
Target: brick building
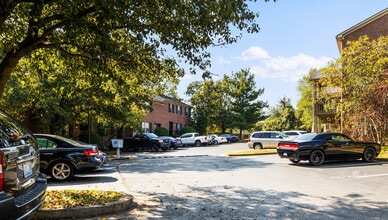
{"x":374,"y":27}
{"x":169,"y":113}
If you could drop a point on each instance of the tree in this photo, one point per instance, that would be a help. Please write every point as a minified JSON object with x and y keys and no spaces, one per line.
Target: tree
{"x":304,"y":111}
{"x":361,"y":74}
{"x":247,"y":110}
{"x":44,"y":91}
{"x":131,"y":35}
{"x":202,"y":101}
{"x":282,"y":117}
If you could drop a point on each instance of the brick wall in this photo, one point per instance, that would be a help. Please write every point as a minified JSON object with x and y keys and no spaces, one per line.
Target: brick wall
{"x":160,"y":115}
{"x":374,"y":30}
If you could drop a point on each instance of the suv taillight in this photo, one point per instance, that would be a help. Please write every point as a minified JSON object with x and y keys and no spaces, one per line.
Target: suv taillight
{"x":1,"y":174}
{"x":249,"y":139}
{"x":90,"y":152}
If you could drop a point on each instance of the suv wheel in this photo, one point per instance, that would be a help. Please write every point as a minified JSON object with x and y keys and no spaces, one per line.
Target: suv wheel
{"x":257,"y":146}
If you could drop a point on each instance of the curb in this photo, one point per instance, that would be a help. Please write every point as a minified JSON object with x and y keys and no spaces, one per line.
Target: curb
{"x":83,"y":212}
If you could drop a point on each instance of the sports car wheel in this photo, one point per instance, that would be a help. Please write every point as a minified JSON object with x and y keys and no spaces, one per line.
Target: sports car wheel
{"x":61,"y":171}
{"x":317,"y":157}
{"x":369,"y":154}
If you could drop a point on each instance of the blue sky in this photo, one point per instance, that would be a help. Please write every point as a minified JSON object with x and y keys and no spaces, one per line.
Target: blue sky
{"x":295,"y":36}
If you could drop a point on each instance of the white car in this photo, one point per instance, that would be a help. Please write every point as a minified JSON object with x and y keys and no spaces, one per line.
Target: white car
{"x":294,"y":133}
{"x":215,"y":139}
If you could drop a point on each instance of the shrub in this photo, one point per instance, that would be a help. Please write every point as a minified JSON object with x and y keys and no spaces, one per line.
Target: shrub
{"x":94,"y":138}
{"x":187,"y":130}
{"x":161,"y":131}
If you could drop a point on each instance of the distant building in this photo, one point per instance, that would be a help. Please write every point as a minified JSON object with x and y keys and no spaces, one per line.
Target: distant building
{"x":169,"y":113}
{"x":374,"y":27}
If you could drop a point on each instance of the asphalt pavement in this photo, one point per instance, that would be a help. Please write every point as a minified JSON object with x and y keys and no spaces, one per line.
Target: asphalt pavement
{"x":203,"y":183}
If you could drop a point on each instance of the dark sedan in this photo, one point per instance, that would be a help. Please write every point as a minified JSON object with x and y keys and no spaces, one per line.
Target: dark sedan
{"x":62,"y":158}
{"x":230,"y":137}
{"x":174,"y":143}
{"x":319,"y":147}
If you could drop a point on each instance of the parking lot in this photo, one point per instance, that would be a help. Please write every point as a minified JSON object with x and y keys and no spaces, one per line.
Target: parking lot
{"x":203,"y":183}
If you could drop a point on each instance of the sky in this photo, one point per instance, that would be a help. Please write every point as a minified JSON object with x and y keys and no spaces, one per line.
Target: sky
{"x":295,"y":36}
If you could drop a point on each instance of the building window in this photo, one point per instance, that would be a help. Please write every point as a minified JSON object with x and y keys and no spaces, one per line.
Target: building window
{"x":187,"y":111}
{"x":170,"y":106}
{"x":178,"y":128}
{"x":178,"y":110}
{"x":145,"y":127}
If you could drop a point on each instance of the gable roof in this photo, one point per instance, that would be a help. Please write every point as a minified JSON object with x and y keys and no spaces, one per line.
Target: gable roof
{"x":167,"y":99}
{"x":339,"y":37}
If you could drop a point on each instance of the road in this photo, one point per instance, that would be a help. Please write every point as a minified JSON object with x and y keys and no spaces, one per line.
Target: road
{"x":203,"y":183}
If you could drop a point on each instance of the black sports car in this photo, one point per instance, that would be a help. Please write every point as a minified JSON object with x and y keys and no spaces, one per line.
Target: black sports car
{"x":318,"y":147}
{"x":62,"y":158}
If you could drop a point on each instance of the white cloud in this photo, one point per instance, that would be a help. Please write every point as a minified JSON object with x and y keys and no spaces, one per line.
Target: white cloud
{"x":288,"y":68}
{"x":254,"y":53}
{"x":222,"y":60}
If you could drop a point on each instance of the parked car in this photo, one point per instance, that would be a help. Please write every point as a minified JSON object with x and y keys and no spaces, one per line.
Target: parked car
{"x":265,"y":139}
{"x":22,"y":185}
{"x":174,"y":142}
{"x":62,"y":158}
{"x":319,"y":147}
{"x":215,"y":139}
{"x":231,"y":138}
{"x":294,"y":133}
{"x":145,"y":141}
{"x":193,"y":139}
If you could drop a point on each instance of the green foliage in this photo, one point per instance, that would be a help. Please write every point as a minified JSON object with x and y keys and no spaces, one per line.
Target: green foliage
{"x":226,"y":104}
{"x":106,"y":58}
{"x":187,"y":129}
{"x":161,"y":131}
{"x":304,"y":111}
{"x":246,"y":109}
{"x":132,"y":35}
{"x":282,"y":117}
{"x":361,"y":86}
{"x":94,"y":138}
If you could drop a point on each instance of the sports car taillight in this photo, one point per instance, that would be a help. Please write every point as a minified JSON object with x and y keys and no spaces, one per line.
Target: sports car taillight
{"x":1,"y":174}
{"x":91,"y":152}
{"x":288,"y":145}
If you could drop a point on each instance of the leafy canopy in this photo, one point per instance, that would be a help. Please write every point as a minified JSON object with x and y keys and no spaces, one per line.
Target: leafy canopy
{"x":131,"y":34}
{"x":107,"y":58}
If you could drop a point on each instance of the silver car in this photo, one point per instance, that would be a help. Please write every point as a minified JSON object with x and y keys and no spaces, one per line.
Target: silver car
{"x":265,"y":139}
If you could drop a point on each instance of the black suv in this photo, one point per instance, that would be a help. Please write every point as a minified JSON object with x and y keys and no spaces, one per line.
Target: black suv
{"x":22,"y":186}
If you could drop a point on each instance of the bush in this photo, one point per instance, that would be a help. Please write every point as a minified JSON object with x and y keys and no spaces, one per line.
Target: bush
{"x":94,"y":138}
{"x":187,"y":130}
{"x":161,"y":131}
